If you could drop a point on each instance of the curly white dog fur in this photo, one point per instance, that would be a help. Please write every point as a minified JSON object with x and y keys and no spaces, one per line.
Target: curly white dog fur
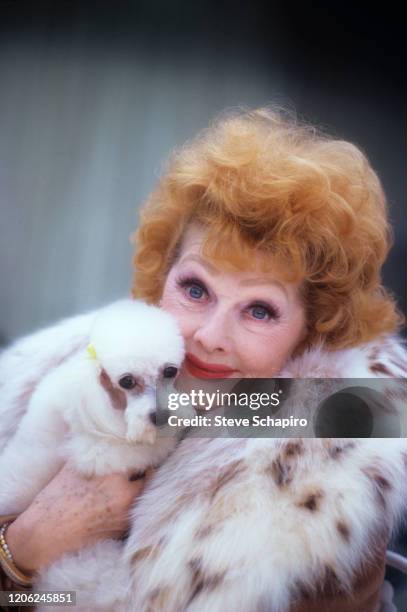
{"x":97,"y":409}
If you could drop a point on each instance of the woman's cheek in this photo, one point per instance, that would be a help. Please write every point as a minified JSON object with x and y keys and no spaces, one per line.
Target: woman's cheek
{"x":170,"y":303}
{"x":172,"y":300}
{"x":185,"y":319}
{"x":264,"y":355}
{"x":255,"y":358}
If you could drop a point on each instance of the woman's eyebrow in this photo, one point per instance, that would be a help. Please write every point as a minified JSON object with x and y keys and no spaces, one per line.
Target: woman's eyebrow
{"x":263,"y":281}
{"x":260,"y":280}
{"x":211,"y":268}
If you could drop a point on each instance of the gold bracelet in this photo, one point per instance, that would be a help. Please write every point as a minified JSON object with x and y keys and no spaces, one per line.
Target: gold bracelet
{"x":7,"y":562}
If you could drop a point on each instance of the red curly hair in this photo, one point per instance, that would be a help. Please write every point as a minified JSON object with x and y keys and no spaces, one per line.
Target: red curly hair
{"x":312,"y":204}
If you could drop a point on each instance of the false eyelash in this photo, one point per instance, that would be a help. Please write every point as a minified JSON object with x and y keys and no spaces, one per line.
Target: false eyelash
{"x":184,"y":282}
{"x":273,"y":312}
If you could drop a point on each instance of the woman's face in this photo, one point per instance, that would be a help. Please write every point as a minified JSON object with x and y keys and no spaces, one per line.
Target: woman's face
{"x":235,"y":324}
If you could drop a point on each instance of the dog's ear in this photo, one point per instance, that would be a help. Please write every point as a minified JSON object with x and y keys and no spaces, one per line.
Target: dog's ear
{"x":117,"y":396}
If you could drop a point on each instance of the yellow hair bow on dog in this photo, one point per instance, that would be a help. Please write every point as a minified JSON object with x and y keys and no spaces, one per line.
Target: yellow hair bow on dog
{"x":91,"y":351}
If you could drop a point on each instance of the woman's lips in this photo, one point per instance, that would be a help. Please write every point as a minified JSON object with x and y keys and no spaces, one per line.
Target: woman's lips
{"x":200,"y":369}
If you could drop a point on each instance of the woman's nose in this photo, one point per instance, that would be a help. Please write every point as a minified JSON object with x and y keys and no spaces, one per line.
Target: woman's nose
{"x":213,"y":332}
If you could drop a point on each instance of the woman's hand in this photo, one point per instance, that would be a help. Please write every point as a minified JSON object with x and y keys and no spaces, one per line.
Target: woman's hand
{"x":71,"y":512}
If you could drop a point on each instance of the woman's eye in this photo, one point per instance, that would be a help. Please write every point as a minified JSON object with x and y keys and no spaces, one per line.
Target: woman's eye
{"x":258,"y":311}
{"x":193,"y":288}
{"x":195,"y":291}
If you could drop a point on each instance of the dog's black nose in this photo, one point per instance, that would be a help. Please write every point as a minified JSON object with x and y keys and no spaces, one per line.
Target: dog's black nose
{"x":159,"y":417}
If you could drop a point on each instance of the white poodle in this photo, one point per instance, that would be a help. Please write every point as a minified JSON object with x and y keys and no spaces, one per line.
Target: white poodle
{"x":100,"y":410}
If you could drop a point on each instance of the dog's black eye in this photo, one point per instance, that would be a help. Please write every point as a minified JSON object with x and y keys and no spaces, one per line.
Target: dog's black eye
{"x":170,"y":372}
{"x":127,"y":382}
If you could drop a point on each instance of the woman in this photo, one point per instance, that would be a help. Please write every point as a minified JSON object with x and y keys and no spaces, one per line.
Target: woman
{"x":265,"y":240}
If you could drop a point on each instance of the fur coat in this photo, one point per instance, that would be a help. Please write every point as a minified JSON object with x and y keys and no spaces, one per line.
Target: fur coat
{"x":242,"y":524}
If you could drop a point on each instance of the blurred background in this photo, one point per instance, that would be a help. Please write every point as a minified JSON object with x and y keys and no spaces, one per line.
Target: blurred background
{"x":95,"y":94}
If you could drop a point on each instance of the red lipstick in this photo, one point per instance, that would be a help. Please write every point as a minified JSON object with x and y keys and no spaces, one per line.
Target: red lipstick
{"x":200,"y":369}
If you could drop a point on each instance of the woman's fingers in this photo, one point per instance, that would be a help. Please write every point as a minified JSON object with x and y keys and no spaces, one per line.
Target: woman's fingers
{"x":71,"y":512}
